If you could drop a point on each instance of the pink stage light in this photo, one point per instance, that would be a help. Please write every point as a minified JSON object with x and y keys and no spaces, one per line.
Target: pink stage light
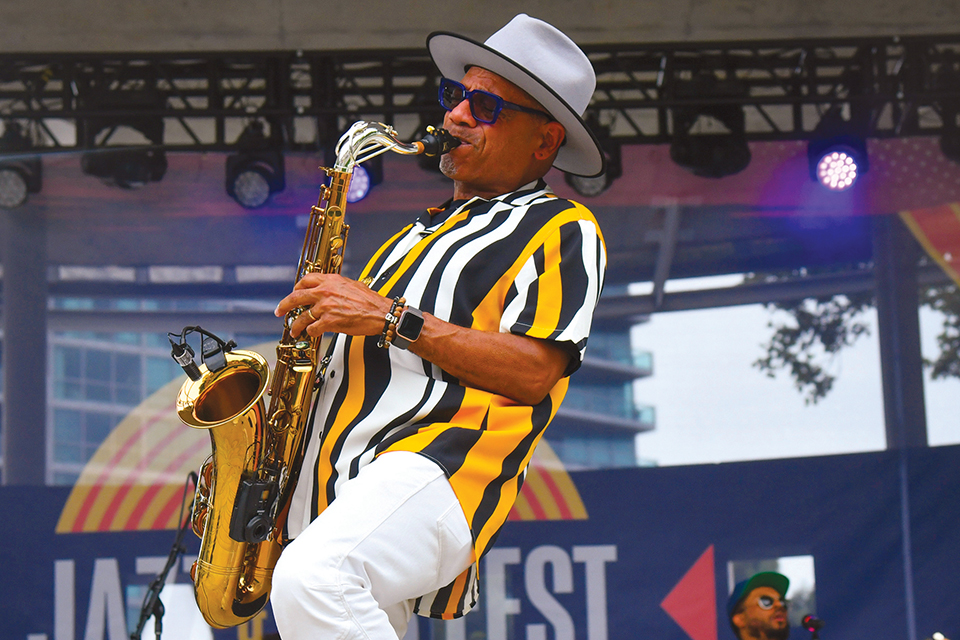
{"x":837,"y":170}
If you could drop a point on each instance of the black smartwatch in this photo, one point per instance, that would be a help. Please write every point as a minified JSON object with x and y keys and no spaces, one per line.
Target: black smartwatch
{"x":408,"y":328}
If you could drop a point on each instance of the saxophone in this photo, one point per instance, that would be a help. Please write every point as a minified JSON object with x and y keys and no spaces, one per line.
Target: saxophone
{"x":244,"y":488}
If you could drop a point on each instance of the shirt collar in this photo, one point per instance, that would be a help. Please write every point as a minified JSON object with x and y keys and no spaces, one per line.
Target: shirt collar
{"x":435,"y":216}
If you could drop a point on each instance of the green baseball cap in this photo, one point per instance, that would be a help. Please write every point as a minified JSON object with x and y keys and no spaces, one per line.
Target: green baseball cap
{"x":777,"y":581}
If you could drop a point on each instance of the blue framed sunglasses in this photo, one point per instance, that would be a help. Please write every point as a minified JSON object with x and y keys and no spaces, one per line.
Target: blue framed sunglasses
{"x":484,"y":106}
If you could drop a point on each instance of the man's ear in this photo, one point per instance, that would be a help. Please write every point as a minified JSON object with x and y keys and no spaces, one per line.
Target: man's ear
{"x":552,"y":137}
{"x":737,"y":620}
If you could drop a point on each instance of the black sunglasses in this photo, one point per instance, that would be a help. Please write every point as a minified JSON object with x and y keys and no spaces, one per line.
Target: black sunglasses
{"x":766,"y":602}
{"x":484,"y":106}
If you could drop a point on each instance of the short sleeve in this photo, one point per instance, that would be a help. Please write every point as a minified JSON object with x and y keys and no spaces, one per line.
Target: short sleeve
{"x":556,"y":290}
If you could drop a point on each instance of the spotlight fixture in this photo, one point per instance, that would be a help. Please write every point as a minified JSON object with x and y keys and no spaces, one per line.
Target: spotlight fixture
{"x":950,"y":143}
{"x":115,"y":154}
{"x":588,"y":187}
{"x":591,"y":187}
{"x":950,"y":134}
{"x":945,"y":82}
{"x":612,"y":165}
{"x":837,"y":152}
{"x":837,"y":162}
{"x":709,"y":139}
{"x":19,"y":174}
{"x":257,"y":171}
{"x":125,"y":168}
{"x":365,"y":176}
{"x":360,"y":184}
{"x":837,"y":170}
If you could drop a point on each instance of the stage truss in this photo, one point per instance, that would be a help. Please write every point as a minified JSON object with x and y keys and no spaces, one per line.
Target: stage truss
{"x":884,"y":86}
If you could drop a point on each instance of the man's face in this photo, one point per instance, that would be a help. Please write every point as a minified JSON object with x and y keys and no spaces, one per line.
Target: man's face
{"x":492,"y":159}
{"x":763,"y":615}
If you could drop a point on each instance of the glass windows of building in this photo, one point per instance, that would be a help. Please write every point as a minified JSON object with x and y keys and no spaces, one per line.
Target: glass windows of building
{"x":586,"y":451}
{"x":96,"y":378}
{"x":597,"y":424}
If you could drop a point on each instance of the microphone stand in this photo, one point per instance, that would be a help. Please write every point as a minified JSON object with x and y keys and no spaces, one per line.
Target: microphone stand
{"x":152,"y":605}
{"x":812,"y":625}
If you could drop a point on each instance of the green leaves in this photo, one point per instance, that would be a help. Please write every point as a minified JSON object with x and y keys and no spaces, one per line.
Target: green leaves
{"x":806,"y":345}
{"x":807,"y":342}
{"x":946,"y":300}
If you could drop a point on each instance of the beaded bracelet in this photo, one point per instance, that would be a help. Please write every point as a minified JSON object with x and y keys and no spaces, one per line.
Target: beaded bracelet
{"x":390,"y":324}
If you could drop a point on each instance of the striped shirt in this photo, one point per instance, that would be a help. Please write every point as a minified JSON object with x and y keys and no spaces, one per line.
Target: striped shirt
{"x":527,"y":263}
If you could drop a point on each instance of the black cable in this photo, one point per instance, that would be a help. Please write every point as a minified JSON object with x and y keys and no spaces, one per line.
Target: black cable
{"x":152,"y":606}
{"x":183,"y":353}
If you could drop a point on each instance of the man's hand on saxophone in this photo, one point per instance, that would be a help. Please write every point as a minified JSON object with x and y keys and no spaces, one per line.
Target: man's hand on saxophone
{"x":518,"y":367}
{"x":338,"y":305}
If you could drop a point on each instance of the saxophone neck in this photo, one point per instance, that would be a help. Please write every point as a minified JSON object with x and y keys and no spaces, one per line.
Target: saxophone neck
{"x":366,"y":140}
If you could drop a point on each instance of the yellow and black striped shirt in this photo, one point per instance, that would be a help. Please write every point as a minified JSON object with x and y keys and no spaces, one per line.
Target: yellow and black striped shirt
{"x":527,"y":263}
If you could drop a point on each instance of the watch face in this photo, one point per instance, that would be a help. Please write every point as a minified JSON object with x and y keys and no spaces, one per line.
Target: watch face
{"x":410,"y":326}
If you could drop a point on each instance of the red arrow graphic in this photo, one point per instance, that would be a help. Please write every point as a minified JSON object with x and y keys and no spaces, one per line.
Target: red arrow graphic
{"x":692,"y":603}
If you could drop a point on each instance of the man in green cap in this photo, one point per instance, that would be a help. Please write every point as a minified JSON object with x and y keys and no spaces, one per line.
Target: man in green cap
{"x":757,"y":608}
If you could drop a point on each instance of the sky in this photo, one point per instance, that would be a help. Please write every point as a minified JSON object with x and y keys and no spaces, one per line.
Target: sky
{"x":713,"y":406}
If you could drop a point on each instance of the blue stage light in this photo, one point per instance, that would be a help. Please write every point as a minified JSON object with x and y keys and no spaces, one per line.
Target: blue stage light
{"x":360,"y":184}
{"x":365,"y":177}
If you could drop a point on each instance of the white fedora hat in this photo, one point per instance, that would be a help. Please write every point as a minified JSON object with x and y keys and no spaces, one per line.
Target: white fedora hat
{"x":544,"y":62}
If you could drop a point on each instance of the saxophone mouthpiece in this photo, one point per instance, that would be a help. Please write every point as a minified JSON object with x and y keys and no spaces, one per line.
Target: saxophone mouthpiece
{"x":437,"y":142}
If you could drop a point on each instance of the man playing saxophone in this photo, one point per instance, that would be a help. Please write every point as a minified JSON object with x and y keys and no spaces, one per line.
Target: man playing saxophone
{"x":452,"y":353}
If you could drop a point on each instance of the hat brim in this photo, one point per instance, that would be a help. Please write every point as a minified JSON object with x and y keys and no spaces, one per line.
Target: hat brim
{"x":454,"y":54}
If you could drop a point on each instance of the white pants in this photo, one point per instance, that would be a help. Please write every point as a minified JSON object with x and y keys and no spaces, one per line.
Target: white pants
{"x":394,"y":533}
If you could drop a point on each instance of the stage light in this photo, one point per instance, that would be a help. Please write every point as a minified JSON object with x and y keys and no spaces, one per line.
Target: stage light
{"x":359,"y":184}
{"x":837,"y":170}
{"x":13,"y":188}
{"x":836,"y":163}
{"x":257,"y":170}
{"x":944,"y":82}
{"x":837,"y":150}
{"x":114,"y":152}
{"x":590,"y":187}
{"x":125,"y":168}
{"x":253,"y":177}
{"x":950,"y":138}
{"x":20,"y":174}
{"x":709,"y":139}
{"x":365,"y":176}
{"x":710,"y":154}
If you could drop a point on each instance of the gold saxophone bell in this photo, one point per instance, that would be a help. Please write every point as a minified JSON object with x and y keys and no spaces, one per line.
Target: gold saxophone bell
{"x":244,"y":488}
{"x":229,"y":403}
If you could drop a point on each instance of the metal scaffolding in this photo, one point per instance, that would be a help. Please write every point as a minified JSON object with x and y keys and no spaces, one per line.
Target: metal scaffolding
{"x":884,"y":87}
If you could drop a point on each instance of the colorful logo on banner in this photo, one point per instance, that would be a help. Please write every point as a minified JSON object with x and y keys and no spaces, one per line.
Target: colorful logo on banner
{"x":135,"y":481}
{"x":937,"y":229}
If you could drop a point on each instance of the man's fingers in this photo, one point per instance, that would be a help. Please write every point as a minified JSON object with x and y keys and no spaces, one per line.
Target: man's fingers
{"x":292,"y":301}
